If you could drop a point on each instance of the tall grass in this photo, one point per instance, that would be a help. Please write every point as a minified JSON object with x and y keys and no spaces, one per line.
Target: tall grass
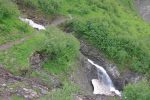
{"x":7,"y":9}
{"x":47,"y":6}
{"x":61,"y":50}
{"x":137,"y":91}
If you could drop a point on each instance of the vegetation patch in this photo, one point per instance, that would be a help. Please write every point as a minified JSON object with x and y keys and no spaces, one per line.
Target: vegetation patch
{"x":62,"y":50}
{"x":137,"y":91}
{"x":10,"y":26}
{"x":64,"y":93}
{"x":118,"y":32}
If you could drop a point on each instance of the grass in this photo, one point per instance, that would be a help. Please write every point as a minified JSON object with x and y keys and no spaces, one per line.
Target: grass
{"x":137,"y":91}
{"x":118,"y":32}
{"x":11,"y":28}
{"x":64,"y":93}
{"x":110,"y":25}
{"x":60,"y":48}
{"x":63,"y":48}
{"x":17,"y":57}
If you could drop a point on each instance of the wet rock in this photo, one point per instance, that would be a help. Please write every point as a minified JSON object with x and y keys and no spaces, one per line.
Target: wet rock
{"x":95,"y":97}
{"x":131,"y":77}
{"x":35,"y":61}
{"x":113,"y":70}
{"x":83,"y":75}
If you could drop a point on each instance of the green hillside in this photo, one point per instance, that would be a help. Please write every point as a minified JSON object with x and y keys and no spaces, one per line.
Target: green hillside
{"x":112,"y":26}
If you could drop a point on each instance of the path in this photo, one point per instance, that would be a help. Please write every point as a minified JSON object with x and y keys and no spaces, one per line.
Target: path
{"x":11,"y":43}
{"x":55,"y":22}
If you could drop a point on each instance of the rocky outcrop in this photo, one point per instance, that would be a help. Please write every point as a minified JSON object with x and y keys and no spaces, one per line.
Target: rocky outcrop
{"x":119,"y":78}
{"x":143,"y":7}
{"x":96,"y":97}
{"x":28,"y":87}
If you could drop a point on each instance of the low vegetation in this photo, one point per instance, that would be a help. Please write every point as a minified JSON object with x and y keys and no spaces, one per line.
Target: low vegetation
{"x":137,"y":91}
{"x":112,"y":26}
{"x":118,"y":32}
{"x":10,"y":26}
{"x":60,"y":49}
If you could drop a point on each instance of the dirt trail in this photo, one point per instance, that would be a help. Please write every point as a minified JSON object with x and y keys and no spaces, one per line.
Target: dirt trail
{"x":55,"y":22}
{"x":11,"y":43}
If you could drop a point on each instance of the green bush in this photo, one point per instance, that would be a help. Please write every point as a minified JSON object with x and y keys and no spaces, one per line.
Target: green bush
{"x":137,"y":91}
{"x":47,"y":6}
{"x":60,"y":48}
{"x":7,"y":9}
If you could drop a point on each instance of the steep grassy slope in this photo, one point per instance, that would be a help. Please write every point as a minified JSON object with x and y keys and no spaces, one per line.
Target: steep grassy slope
{"x":110,"y":25}
{"x":119,"y":33}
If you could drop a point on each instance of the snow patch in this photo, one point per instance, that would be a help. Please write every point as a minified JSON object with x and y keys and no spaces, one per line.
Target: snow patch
{"x":32,"y":23}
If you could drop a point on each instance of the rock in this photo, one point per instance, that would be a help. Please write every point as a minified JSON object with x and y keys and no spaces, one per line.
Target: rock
{"x":119,"y":78}
{"x":3,"y":85}
{"x":29,"y":93}
{"x":44,"y":91}
{"x":131,"y":77}
{"x":35,"y":61}
{"x":113,"y":70}
{"x":86,"y":72}
{"x":143,"y":8}
{"x":95,"y":97}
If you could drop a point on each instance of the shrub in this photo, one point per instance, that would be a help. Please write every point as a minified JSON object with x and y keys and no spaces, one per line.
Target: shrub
{"x":137,"y":91}
{"x":60,"y":48}
{"x":101,"y":33}
{"x":47,"y":6}
{"x":7,"y":9}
